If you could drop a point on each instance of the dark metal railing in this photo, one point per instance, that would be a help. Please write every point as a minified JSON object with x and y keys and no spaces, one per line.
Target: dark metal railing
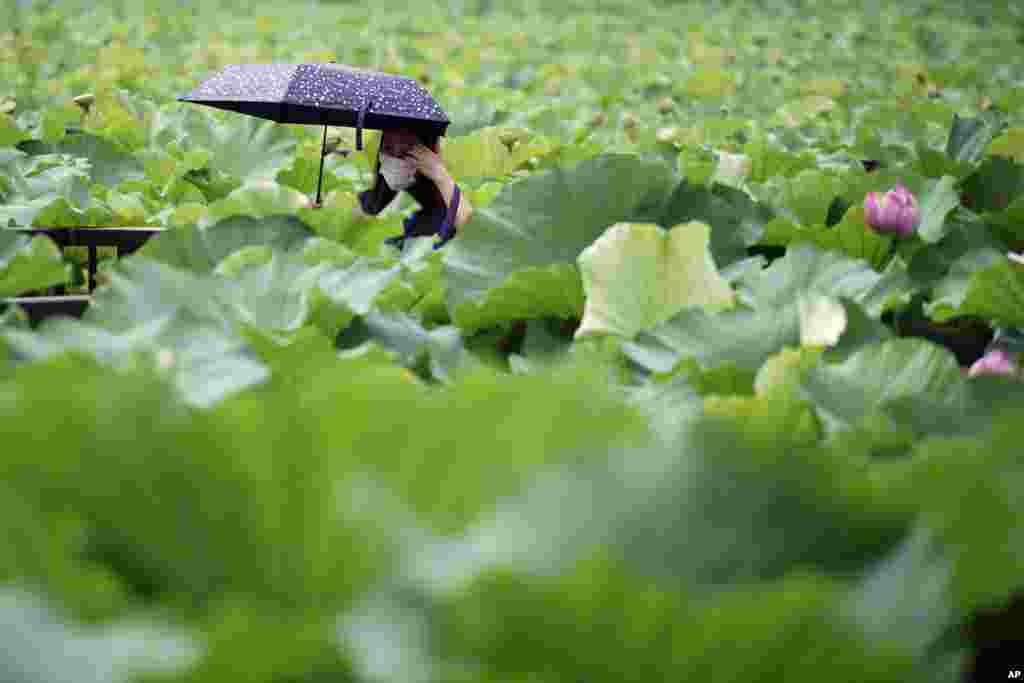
{"x":123,"y":240}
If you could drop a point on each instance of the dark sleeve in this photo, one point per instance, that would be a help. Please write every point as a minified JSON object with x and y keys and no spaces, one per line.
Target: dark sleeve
{"x":377,"y":197}
{"x":447,"y":229}
{"x":435,"y":219}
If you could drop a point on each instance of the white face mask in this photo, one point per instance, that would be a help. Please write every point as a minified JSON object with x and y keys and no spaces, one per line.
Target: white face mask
{"x":398,"y":173}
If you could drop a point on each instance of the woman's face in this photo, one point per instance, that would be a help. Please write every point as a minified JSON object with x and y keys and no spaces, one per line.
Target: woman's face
{"x":398,"y":143}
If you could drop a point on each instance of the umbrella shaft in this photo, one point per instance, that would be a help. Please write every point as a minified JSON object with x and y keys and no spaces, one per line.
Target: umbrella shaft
{"x":320,"y":176}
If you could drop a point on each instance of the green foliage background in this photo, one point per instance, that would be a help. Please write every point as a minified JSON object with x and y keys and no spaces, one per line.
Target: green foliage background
{"x":276,"y":449}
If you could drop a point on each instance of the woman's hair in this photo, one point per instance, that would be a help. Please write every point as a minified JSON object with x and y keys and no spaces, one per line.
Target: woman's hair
{"x":423,"y":190}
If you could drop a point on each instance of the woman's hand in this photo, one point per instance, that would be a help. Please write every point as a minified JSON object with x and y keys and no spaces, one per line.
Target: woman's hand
{"x":429,"y":164}
{"x":432,"y":166}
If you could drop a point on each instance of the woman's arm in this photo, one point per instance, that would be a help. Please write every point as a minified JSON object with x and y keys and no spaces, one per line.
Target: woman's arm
{"x":447,"y":187}
{"x":432,"y":166}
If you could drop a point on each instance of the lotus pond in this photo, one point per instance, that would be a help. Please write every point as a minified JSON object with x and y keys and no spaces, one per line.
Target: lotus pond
{"x":720,"y":383}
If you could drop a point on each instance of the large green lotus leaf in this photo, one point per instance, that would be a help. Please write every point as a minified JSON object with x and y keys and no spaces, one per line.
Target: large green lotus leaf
{"x":274,"y":287}
{"x":809,"y":269}
{"x":859,"y":330}
{"x":303,"y":173}
{"x":736,"y":220}
{"x":851,"y":236}
{"x":179,"y":323}
{"x":109,"y":164}
{"x":806,"y":196}
{"x":748,"y":335}
{"x":439,"y":351}
{"x":479,"y":155}
{"x":768,"y":161}
{"x":48,"y":211}
{"x":969,"y":492}
{"x":994,"y":186}
{"x":500,"y":626}
{"x":994,"y":290}
{"x":743,"y":493}
{"x":358,"y":285}
{"x":29,"y":263}
{"x":243,"y":147}
{"x":899,"y":386}
{"x":822,"y":320}
{"x":906,"y":600}
{"x":337,"y":219}
{"x":964,"y":233}
{"x":55,"y":121}
{"x":637,"y":275}
{"x":779,"y":379}
{"x":489,"y":431}
{"x":199,"y":250}
{"x":420,"y":274}
{"x":277,"y":295}
{"x":670,"y":405}
{"x":950,"y":292}
{"x":968,"y":137}
{"x":289,"y":291}
{"x":42,"y":645}
{"x":302,"y":359}
{"x":257,"y":199}
{"x":933,"y":163}
{"x":12,"y":318}
{"x":750,"y":495}
{"x":10,"y":134}
{"x":546,"y":344}
{"x":517,"y":257}
{"x":212,"y":183}
{"x":1008,"y":224}
{"x":935,"y":205}
{"x":1009,"y":145}
{"x":129,"y":209}
{"x":741,"y":336}
{"x":211,"y":495}
{"x":36,"y":184}
{"x":470,"y":114}
{"x":132,"y":119}
{"x":69,"y":181}
{"x":535,"y":229}
{"x":728,"y":379}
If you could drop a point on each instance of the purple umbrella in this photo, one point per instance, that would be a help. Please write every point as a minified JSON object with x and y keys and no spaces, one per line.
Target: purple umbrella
{"x":323,"y":94}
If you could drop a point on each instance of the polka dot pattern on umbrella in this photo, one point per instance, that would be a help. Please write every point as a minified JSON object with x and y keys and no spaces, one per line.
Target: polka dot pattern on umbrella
{"x":321,"y":86}
{"x":247,"y":82}
{"x":346,"y":87}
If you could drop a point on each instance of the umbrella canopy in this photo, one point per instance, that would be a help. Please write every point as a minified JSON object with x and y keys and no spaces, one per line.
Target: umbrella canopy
{"x":323,"y":94}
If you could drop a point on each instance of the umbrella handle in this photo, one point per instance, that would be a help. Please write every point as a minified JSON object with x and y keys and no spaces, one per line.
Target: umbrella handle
{"x":359,"y":123}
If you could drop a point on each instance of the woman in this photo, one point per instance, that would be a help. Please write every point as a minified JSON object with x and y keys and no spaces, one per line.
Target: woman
{"x":411,"y":162}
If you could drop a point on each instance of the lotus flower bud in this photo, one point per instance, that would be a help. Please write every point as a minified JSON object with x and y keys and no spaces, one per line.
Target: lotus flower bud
{"x":165,"y":359}
{"x":85,"y":101}
{"x":995,"y":362}
{"x":894,"y":212}
{"x":732,"y":169}
{"x":666,"y":135}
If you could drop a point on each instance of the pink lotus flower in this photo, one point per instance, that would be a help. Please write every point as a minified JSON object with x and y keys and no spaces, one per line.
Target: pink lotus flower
{"x":995,"y":362}
{"x":895,"y":212}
